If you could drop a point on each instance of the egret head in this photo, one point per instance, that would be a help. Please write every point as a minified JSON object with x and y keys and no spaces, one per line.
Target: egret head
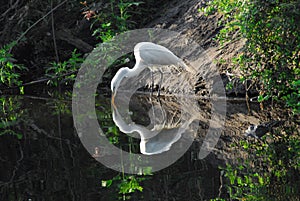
{"x":115,"y":82}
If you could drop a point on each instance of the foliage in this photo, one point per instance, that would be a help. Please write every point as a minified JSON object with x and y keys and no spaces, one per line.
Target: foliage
{"x":113,"y":134}
{"x":272,"y":54}
{"x":9,"y":70}
{"x":10,"y":114}
{"x":125,"y":184}
{"x":64,"y":72}
{"x":269,"y":167}
{"x":112,"y":19}
{"x":60,"y":102}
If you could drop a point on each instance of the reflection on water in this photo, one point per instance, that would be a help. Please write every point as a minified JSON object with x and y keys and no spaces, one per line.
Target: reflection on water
{"x":166,"y":120}
{"x":41,"y":158}
{"x":170,"y":117}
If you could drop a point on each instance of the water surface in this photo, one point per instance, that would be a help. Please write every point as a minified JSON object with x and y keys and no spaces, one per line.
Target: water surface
{"x":42,"y":158}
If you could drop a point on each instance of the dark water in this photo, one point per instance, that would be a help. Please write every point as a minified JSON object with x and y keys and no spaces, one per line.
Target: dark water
{"x":42,"y":158}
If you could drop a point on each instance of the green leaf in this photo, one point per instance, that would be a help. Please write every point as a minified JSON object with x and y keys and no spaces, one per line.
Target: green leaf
{"x":106,"y":183}
{"x":19,"y":136}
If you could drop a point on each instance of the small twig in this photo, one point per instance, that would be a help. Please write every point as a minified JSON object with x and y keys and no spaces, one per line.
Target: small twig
{"x":221,"y":183}
{"x":247,"y":97}
{"x":11,"y":8}
{"x":42,"y":131}
{"x":38,"y":81}
{"x":46,"y":99}
{"x":53,"y":34}
{"x":17,"y":164}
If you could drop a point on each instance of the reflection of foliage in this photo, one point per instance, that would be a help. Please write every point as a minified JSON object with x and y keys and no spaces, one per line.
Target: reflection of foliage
{"x":61,"y":104}
{"x":10,"y":116}
{"x":111,"y":130}
{"x":106,"y":123}
{"x":269,"y":167}
{"x":113,"y":134}
{"x":104,"y":115}
{"x":125,"y":184}
{"x":272,"y":48}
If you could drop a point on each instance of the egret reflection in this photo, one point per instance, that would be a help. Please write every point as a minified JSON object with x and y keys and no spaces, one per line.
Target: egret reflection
{"x":169,"y":122}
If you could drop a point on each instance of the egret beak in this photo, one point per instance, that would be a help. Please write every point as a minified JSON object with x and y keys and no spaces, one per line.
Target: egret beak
{"x":113,"y":101}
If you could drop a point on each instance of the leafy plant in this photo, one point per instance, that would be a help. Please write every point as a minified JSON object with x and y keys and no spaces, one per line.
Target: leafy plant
{"x":112,"y":20}
{"x":268,"y":167}
{"x":272,"y":53}
{"x":126,"y":184}
{"x":9,"y":70}
{"x":10,"y":116}
{"x":64,"y":72}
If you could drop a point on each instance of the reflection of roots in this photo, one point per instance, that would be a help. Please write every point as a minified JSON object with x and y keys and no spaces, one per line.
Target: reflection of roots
{"x":169,"y":111}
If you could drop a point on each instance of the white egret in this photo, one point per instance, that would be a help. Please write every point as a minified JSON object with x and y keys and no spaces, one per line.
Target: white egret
{"x":148,"y":55}
{"x":153,"y":57}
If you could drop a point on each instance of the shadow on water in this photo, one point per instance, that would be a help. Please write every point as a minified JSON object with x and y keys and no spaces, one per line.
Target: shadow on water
{"x":42,"y":157}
